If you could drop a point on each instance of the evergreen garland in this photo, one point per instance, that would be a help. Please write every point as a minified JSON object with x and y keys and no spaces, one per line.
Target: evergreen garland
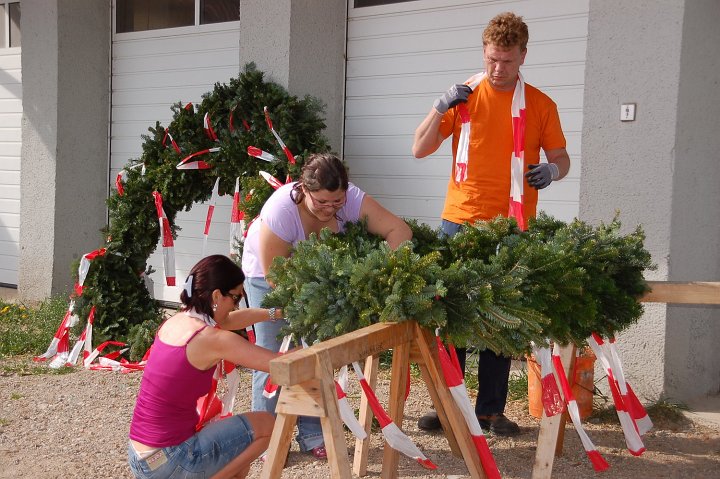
{"x":490,"y":285}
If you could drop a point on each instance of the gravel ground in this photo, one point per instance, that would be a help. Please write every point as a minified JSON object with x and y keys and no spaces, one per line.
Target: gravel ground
{"x":76,"y":425}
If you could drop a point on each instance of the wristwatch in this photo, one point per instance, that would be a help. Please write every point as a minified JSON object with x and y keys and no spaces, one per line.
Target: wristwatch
{"x":272,"y":313}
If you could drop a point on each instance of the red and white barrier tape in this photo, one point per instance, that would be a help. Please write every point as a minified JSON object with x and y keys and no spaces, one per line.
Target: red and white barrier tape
{"x":346,"y":413}
{"x":172,"y":140}
{"x":285,"y":149}
{"x":208,"y":218}
{"x":271,"y":389}
{"x":274,"y":182}
{"x":186,"y":164}
{"x":636,"y":409}
{"x":84,"y":342}
{"x":598,"y":462}
{"x":84,"y":267}
{"x":552,"y":401}
{"x":59,"y":344}
{"x":517,"y":165}
{"x":110,"y":362}
{"x":620,"y":395}
{"x":119,"y":180}
{"x":121,"y":177}
{"x":456,"y":385}
{"x":237,"y":222}
{"x":461,"y":160}
{"x":167,"y":241}
{"x":207,"y":125}
{"x":261,"y":154}
{"x":231,"y":122}
{"x":397,"y":439}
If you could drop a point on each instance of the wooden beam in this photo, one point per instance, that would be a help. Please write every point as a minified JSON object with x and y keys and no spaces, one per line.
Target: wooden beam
{"x":396,"y":405}
{"x":300,"y":366}
{"x":362,"y":446}
{"x":683,"y":292}
{"x":552,"y":429}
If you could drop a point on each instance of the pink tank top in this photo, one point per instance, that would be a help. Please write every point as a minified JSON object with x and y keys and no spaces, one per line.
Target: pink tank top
{"x":166,"y":408}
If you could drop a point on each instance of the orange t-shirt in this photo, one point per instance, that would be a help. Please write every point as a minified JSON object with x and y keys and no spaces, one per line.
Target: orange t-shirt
{"x":486,"y":192}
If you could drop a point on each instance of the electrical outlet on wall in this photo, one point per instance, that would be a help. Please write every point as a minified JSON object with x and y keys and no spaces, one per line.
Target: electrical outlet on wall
{"x":627,"y":112}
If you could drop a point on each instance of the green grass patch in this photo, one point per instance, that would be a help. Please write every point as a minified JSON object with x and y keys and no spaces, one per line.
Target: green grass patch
{"x":29,"y":330}
{"x":518,"y":385}
{"x":664,"y":413}
{"x":28,"y":368}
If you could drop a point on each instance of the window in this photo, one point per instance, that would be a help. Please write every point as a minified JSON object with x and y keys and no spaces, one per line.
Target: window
{"x":142,"y":15}
{"x":374,"y":3}
{"x":216,"y":11}
{"x":10,"y":24}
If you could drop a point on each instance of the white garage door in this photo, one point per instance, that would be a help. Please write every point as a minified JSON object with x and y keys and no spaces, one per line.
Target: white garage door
{"x":10,"y":146}
{"x":151,"y":71}
{"x":401,"y":56}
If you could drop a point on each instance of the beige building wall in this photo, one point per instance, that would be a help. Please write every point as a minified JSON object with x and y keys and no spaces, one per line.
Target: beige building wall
{"x":660,"y":171}
{"x":300,"y":44}
{"x":64,"y":174}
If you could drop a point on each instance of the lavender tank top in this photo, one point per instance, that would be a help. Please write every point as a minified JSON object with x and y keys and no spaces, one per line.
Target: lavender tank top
{"x":166,"y":408}
{"x":281,"y":215}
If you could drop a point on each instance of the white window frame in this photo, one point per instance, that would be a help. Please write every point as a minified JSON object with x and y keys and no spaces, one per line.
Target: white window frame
{"x":6,"y":23}
{"x":160,"y":32}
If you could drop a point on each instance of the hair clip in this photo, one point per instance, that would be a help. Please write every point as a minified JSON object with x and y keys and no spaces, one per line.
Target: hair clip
{"x":188,"y":286}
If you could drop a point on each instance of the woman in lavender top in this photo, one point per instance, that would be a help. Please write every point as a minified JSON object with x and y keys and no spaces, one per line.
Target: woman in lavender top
{"x":322,"y":198}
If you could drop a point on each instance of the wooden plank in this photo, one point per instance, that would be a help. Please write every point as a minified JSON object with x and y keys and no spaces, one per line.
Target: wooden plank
{"x":416,"y":357}
{"x":426,"y":344}
{"x":300,"y":366}
{"x":332,"y":425}
{"x":302,"y":399}
{"x":279,"y":445}
{"x":552,"y":429}
{"x":683,"y":292}
{"x":362,"y":446}
{"x":396,"y":405}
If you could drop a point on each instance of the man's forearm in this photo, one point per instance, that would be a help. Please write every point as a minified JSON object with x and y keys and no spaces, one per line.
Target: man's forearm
{"x":427,"y":136}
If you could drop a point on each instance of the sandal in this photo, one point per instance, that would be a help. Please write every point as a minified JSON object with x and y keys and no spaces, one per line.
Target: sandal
{"x":319,"y":452}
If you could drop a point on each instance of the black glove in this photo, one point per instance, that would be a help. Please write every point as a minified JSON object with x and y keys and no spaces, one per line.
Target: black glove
{"x":456,"y":94}
{"x":541,"y":175}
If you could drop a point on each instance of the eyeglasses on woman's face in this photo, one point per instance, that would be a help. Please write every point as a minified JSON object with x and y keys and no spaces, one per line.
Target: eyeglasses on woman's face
{"x":326,"y":204}
{"x":235,"y":297}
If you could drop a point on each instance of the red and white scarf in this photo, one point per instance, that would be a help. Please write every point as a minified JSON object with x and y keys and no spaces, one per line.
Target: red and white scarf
{"x":517,"y":159}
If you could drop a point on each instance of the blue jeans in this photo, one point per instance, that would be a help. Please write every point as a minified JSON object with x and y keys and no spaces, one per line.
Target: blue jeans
{"x":201,"y":456}
{"x":493,"y":369}
{"x":310,"y":433}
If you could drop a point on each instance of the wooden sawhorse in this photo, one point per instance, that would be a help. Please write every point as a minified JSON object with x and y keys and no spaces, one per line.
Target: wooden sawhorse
{"x":552,"y":429}
{"x":308,"y":389}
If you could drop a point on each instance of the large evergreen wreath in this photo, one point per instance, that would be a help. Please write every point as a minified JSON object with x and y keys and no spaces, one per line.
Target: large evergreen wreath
{"x":491,"y":285}
{"x":114,"y":284}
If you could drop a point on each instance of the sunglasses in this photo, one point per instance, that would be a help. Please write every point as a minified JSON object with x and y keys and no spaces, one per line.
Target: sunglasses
{"x":327,"y":204}
{"x":235,"y":297}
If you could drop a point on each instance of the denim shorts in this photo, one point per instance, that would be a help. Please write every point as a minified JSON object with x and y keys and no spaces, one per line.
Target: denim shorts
{"x":201,"y":456}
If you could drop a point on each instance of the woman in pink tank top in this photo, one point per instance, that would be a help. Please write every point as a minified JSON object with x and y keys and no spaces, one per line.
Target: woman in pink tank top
{"x":167,"y":436}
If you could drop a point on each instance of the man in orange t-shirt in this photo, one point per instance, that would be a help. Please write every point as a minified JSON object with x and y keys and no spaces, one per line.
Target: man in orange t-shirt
{"x":485,"y":192}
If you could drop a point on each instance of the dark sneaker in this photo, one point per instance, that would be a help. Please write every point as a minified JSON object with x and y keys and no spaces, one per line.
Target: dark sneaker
{"x":499,"y":425}
{"x":429,"y":422}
